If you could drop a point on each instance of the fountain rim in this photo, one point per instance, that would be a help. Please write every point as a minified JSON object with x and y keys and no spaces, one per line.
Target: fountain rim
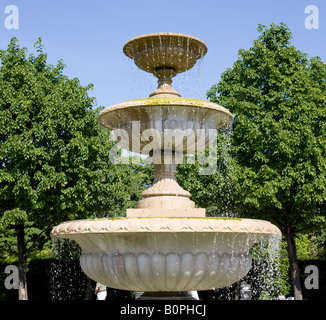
{"x":163,"y":102}
{"x":127,"y":49}
{"x":122,"y":225}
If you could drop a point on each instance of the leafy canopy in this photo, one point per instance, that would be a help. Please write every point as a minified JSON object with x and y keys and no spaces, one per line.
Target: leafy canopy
{"x":278,"y":97}
{"x":54,"y":157}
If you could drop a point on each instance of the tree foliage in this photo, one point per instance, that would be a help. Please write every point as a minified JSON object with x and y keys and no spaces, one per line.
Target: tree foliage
{"x":54,"y":157}
{"x":213,"y":191}
{"x":278,"y":97}
{"x":53,"y":154}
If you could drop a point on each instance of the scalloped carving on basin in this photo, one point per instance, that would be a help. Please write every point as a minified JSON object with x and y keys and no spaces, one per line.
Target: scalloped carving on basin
{"x":166,"y":272}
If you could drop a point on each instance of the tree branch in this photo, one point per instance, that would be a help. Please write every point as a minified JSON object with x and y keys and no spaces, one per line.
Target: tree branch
{"x":35,"y":241}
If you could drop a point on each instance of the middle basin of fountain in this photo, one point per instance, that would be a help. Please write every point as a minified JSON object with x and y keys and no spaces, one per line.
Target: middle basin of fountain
{"x":166,"y":117}
{"x":166,"y":254}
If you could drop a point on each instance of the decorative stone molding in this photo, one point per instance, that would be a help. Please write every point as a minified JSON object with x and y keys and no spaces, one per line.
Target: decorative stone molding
{"x":164,"y":109}
{"x":164,"y":224}
{"x":165,"y":211}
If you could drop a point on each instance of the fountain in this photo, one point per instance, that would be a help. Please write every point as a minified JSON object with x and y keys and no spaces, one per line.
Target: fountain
{"x":165,"y":246}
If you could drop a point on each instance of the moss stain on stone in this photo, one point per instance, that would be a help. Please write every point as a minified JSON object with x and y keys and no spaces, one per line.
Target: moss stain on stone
{"x":172,"y":101}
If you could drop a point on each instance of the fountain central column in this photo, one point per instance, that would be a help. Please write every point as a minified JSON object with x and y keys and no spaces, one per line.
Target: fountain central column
{"x":165,"y":198}
{"x":164,"y":89}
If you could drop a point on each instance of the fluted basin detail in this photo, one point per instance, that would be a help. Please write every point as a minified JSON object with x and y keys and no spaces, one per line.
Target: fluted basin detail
{"x":166,"y":272}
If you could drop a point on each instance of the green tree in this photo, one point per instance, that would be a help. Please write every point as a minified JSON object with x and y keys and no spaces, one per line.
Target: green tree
{"x":278,"y":96}
{"x":54,"y":157}
{"x":212,"y":191}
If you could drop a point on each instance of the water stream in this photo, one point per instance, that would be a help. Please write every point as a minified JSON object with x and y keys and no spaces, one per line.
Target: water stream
{"x":68,"y":282}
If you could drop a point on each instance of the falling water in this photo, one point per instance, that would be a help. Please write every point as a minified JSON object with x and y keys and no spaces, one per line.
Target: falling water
{"x":140,"y":83}
{"x":68,"y":282}
{"x":226,"y":167}
{"x":262,"y":278}
{"x":264,"y":270}
{"x":189,"y":83}
{"x":265,"y":273}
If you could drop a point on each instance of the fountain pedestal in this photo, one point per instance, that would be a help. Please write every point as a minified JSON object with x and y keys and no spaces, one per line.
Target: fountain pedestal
{"x":165,"y":296}
{"x":165,"y":198}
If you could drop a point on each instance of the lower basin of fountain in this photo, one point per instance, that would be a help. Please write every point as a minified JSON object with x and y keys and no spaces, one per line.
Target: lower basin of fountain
{"x":166,"y":254}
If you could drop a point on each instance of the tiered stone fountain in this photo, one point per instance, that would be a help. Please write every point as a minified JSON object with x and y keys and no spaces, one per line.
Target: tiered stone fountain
{"x":166,"y":245}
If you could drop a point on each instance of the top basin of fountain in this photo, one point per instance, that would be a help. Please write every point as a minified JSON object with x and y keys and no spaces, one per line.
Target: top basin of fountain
{"x":173,"y":51}
{"x":165,"y":55}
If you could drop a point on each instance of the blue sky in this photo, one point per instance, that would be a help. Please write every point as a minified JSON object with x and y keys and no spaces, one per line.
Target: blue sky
{"x":89,"y":37}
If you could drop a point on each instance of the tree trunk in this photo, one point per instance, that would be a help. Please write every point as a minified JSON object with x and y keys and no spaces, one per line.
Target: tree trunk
{"x":89,"y":289}
{"x":22,"y":261}
{"x":237,"y":291}
{"x":294,"y":266}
